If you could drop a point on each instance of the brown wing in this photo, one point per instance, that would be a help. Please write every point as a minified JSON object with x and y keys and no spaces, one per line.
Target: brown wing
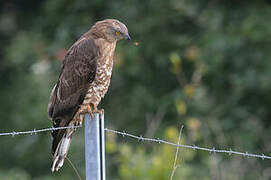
{"x":78,"y":71}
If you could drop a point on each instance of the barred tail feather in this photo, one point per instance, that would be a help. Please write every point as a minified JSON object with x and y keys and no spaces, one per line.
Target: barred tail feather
{"x":61,"y":151}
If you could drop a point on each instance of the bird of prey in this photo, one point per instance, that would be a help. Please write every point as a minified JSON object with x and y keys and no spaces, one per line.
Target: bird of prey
{"x":83,"y":81}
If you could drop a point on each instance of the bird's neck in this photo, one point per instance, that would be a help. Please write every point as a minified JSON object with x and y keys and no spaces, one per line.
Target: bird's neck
{"x":107,"y":48}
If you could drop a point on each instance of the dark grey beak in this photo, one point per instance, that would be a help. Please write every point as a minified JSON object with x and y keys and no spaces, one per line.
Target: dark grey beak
{"x":127,"y":37}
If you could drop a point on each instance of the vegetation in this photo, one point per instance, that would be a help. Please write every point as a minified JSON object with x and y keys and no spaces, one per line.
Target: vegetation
{"x":203,"y":64}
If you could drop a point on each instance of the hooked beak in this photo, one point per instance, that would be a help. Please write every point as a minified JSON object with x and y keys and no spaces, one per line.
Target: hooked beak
{"x":127,"y":37}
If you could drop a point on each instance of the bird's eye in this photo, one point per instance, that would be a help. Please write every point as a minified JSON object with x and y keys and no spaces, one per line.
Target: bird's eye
{"x":117,"y":33}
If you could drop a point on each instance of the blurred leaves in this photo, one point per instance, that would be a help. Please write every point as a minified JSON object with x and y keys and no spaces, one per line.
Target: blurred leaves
{"x":176,"y":62}
{"x":138,"y":163}
{"x":181,"y":107}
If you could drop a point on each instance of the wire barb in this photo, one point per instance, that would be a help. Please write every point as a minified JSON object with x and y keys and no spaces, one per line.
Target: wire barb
{"x":213,"y":150}
{"x":263,"y":156}
{"x":230,"y":152}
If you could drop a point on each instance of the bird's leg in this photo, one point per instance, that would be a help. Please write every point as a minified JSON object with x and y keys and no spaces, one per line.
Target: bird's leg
{"x":92,"y":108}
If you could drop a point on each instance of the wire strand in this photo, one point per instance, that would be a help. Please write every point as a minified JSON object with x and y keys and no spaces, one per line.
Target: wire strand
{"x":74,"y":168}
{"x":35,"y":131}
{"x":141,"y":138}
{"x":194,"y":147}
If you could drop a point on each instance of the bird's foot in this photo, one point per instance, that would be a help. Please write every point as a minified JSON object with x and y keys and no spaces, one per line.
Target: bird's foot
{"x":86,"y":109}
{"x":93,"y":109}
{"x":79,"y":116}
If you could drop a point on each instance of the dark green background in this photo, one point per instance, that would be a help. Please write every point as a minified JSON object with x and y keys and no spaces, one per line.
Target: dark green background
{"x":204,"y":64}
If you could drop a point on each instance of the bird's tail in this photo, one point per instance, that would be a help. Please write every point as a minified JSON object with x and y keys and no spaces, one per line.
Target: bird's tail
{"x":61,"y":144}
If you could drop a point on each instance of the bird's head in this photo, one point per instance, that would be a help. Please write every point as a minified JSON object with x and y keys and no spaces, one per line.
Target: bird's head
{"x":111,"y":30}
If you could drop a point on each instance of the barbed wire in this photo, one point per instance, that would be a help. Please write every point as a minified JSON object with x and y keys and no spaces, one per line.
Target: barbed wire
{"x":194,"y":147}
{"x":142,"y":139}
{"x":35,"y":131}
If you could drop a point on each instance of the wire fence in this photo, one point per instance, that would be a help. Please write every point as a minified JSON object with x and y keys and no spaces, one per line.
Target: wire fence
{"x":143,"y":139}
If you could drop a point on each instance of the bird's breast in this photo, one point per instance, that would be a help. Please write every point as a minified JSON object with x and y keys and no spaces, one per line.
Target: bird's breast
{"x":99,"y":86}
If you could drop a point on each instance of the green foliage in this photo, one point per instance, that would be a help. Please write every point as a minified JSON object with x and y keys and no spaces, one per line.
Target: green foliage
{"x":204,"y":64}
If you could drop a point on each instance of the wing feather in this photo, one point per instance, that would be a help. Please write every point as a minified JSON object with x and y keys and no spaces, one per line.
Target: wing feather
{"x":77,"y":72}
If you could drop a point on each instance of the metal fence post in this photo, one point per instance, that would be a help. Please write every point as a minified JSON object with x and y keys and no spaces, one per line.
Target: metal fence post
{"x":94,"y":147}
